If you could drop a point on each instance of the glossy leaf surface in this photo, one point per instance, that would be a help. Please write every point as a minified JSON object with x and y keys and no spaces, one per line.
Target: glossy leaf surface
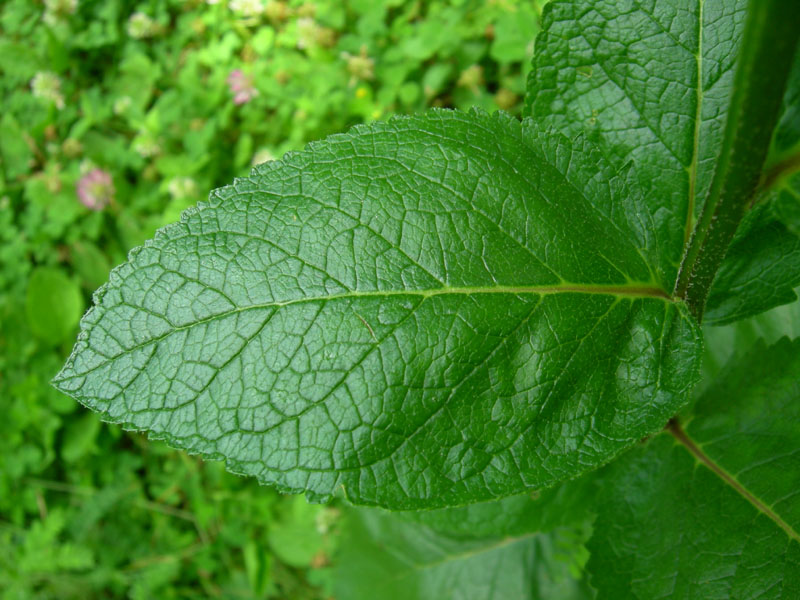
{"x":424,"y":312}
{"x":652,"y":82}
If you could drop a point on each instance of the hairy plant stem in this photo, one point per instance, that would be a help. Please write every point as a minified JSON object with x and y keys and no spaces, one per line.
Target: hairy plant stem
{"x":770,"y":38}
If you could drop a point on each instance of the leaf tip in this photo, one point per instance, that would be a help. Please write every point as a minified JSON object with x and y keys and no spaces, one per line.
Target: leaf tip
{"x":60,"y":380}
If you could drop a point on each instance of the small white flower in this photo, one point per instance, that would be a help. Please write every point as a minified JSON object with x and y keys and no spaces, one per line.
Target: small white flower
{"x":262,"y":156}
{"x":85,"y":166}
{"x":361,"y":66}
{"x":306,"y":32}
{"x":58,"y":10}
{"x":146,"y":145}
{"x":122,"y":104}
{"x":247,"y":8}
{"x":47,"y":86}
{"x":182,"y":187}
{"x":141,"y":26}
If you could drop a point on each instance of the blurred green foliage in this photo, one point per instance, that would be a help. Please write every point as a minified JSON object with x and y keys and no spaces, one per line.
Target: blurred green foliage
{"x":117,"y":115}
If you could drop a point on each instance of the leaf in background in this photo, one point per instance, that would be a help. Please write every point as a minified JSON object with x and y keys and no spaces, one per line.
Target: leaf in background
{"x":721,"y":343}
{"x":712,"y":512}
{"x":53,"y":304}
{"x":763,"y":263}
{"x":79,"y":437}
{"x":294,"y":536}
{"x":426,"y":312}
{"x":514,"y":33}
{"x":786,"y":203}
{"x":391,"y":556}
{"x":43,"y":553}
{"x":760,"y":269}
{"x":257,"y":565}
{"x":60,"y":209}
{"x":18,"y":64}
{"x":15,"y":152}
{"x":787,"y":132}
{"x":652,"y":80}
{"x":136,"y":80}
{"x":564,"y":505}
{"x":89,"y":263}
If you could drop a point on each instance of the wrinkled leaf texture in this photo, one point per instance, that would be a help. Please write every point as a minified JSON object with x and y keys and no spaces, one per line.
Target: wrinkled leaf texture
{"x":651,"y":81}
{"x":425,"y":312}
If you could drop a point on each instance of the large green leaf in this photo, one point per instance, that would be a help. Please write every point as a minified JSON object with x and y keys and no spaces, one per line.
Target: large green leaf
{"x":488,"y":551}
{"x":712,"y":511}
{"x":53,"y":304}
{"x":651,"y":80}
{"x":425,"y":312}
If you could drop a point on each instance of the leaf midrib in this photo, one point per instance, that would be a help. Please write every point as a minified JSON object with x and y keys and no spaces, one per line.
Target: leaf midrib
{"x":631,"y":291}
{"x":694,"y":449}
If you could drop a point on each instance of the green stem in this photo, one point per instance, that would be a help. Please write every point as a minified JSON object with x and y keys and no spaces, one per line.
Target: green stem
{"x":768,"y":45}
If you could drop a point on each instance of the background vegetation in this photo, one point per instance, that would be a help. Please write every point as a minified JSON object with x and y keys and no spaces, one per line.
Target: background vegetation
{"x":116,"y":115}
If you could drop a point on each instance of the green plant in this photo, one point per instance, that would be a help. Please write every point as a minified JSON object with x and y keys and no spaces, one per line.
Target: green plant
{"x":114,"y":115}
{"x":442,"y":310}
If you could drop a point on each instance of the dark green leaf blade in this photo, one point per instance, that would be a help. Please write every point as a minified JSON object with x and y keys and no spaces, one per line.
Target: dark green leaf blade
{"x":760,"y":270}
{"x":565,"y":505}
{"x":763,"y":262}
{"x":712,"y":512}
{"x":53,"y":304}
{"x":419,"y":556}
{"x":787,"y":133}
{"x":722,"y":343}
{"x":425,"y":312}
{"x":652,"y":80}
{"x":785,"y":200}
